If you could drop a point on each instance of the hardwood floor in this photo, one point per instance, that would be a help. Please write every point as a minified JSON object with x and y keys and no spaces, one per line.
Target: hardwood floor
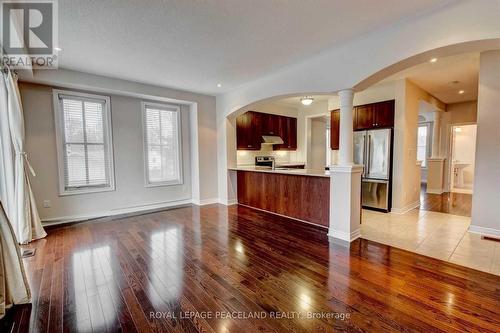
{"x":137,"y":273}
{"x":451,"y":203}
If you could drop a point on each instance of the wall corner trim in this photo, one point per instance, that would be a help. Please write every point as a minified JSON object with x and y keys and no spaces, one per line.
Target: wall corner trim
{"x":484,"y":231}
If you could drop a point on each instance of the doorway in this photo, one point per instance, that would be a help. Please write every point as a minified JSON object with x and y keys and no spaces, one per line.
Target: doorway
{"x":463,"y":152}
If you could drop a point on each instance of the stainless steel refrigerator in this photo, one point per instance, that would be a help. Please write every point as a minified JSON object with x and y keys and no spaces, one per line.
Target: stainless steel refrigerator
{"x":372,"y":149}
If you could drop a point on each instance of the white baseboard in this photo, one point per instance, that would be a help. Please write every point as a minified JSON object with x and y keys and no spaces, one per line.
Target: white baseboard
{"x":228,"y":202}
{"x":406,"y":208}
{"x":435,"y":190}
{"x":462,"y":190}
{"x":205,"y":202}
{"x":114,"y":212}
{"x":484,"y":231}
{"x":344,"y":236}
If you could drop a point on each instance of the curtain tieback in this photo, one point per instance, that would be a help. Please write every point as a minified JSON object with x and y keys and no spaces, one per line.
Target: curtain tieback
{"x":25,"y":157}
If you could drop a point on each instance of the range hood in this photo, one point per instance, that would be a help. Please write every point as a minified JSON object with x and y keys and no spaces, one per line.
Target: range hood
{"x":272,"y":140}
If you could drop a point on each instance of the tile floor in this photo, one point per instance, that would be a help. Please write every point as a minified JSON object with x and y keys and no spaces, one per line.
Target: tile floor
{"x":439,"y":235}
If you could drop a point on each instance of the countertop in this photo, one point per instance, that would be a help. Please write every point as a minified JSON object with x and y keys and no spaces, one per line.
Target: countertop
{"x":298,"y":172}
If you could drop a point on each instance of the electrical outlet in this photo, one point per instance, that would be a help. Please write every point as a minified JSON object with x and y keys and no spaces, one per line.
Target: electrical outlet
{"x":46,"y":203}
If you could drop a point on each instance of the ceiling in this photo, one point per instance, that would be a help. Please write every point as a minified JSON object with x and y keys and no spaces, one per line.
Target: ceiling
{"x":195,"y":45}
{"x":440,"y":78}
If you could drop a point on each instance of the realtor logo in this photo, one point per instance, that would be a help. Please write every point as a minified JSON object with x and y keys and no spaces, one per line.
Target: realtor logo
{"x":29,"y":33}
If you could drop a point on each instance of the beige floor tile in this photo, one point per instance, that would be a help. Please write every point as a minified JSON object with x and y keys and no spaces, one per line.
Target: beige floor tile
{"x":481,"y":263}
{"x":438,"y":235}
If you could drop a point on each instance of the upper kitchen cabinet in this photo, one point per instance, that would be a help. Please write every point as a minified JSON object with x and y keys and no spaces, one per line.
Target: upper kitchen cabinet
{"x":251,"y":126}
{"x":248,"y":131}
{"x":288,"y":132}
{"x":270,"y":124}
{"x":384,"y":114}
{"x":335,"y":129}
{"x":365,"y":117}
{"x":376,"y":115}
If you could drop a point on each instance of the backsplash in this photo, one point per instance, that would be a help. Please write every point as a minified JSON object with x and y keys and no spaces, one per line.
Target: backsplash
{"x":245,"y":157}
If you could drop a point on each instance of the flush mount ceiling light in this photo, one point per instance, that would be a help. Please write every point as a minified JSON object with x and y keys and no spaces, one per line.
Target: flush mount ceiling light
{"x":433,"y":60}
{"x":461,"y":92}
{"x":306,"y":100}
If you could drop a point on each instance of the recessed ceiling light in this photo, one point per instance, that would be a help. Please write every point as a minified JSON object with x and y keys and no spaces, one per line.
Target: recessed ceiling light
{"x":219,"y":85}
{"x":306,"y":100}
{"x":433,"y":60}
{"x":57,"y":49}
{"x":461,"y":92}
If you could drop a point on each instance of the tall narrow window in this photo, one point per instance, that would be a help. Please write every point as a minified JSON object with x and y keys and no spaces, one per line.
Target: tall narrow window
{"x":162,"y":144}
{"x":424,"y":143}
{"x":84,"y":144}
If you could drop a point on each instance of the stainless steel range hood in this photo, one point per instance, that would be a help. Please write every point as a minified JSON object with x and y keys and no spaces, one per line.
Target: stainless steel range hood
{"x":272,"y":140}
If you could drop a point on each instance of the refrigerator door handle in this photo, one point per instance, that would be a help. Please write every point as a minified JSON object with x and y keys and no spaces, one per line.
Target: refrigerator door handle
{"x":367,"y":156}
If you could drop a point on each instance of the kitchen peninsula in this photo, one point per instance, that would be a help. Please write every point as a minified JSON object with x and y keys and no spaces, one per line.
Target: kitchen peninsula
{"x":302,"y":194}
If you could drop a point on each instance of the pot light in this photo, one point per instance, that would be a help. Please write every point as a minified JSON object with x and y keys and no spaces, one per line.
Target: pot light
{"x":306,"y":100}
{"x":461,"y":92}
{"x":458,"y":129}
{"x":219,"y":85}
{"x":433,"y":60}
{"x":57,"y":49}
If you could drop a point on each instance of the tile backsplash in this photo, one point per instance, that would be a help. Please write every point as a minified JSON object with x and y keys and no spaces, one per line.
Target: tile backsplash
{"x":245,"y":157}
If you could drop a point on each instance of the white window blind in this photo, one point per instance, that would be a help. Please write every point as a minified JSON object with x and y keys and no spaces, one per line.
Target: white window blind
{"x":162,"y":144}
{"x":84,"y":142}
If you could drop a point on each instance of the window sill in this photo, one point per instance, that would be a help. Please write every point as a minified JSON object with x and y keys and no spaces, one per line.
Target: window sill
{"x":161,"y":184}
{"x":64,"y":193}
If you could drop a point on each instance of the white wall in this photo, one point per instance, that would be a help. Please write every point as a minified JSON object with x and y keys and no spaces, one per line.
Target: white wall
{"x":485,"y":207}
{"x":406,"y":172}
{"x":317,"y":156}
{"x":130,"y":192}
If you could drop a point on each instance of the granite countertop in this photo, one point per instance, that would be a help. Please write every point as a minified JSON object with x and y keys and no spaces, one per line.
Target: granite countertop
{"x":298,"y":172}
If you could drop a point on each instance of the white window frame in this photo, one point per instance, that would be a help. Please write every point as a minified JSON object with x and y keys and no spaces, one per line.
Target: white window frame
{"x":428,"y":143}
{"x":108,"y":137}
{"x":168,"y":107}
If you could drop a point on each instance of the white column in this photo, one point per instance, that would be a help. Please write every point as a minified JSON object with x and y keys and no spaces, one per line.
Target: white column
{"x":346,"y":131}
{"x":435,"y":134}
{"x":345,"y":180}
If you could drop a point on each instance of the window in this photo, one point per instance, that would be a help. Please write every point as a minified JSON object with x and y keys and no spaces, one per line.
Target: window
{"x":424,"y":143}
{"x":162,"y":144}
{"x":84,"y":144}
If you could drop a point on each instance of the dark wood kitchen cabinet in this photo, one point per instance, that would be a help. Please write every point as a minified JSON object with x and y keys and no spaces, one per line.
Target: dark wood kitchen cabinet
{"x":252,"y":125}
{"x":288,"y":132}
{"x":365,"y":117}
{"x":248,"y":134}
{"x":335,"y":129}
{"x":376,"y":115}
{"x":270,"y":124}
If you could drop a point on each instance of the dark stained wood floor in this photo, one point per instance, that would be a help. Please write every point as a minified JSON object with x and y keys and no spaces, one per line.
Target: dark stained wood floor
{"x":111,"y":276}
{"x":451,"y":203}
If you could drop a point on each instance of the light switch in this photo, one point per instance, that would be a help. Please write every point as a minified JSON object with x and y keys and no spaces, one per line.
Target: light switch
{"x":46,"y":203}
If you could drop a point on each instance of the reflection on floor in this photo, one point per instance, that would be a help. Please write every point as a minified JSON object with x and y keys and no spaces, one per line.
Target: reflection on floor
{"x":437,"y":235}
{"x":452,"y":203}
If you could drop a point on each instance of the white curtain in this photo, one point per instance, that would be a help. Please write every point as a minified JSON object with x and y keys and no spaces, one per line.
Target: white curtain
{"x":16,"y":191}
{"x":14,"y":287}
